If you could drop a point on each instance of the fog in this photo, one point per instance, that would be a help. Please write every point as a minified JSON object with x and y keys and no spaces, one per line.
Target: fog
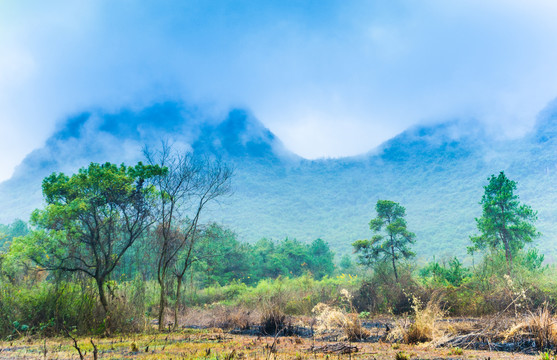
{"x":330,"y":79}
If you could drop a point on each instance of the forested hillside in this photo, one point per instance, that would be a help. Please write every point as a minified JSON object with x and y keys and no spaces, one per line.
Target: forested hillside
{"x":436,"y":171}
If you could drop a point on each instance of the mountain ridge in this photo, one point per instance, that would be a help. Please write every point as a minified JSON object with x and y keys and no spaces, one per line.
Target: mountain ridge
{"x":435,"y":170}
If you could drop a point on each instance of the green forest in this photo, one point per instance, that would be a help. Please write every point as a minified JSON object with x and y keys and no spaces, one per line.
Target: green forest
{"x":278,"y":180}
{"x":120,"y":249}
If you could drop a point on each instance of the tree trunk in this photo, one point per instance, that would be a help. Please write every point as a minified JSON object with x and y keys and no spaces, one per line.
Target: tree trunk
{"x":393,"y":260}
{"x":177,"y":305}
{"x":508,"y":257}
{"x":104,"y":303}
{"x":162,"y":304}
{"x":505,"y":237}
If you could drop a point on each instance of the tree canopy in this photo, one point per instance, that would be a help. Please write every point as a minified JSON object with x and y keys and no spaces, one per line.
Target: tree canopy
{"x":505,"y":224}
{"x":91,"y":219}
{"x":392,"y":239}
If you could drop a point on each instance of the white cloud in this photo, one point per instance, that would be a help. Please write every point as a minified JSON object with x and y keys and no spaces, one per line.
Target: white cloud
{"x":330,"y":78}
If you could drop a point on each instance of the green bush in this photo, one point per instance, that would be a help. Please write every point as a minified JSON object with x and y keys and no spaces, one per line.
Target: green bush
{"x":46,"y":308}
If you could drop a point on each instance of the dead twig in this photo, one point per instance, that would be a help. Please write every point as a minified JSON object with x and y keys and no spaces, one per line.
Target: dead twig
{"x":95,"y":350}
{"x":338,"y":348}
{"x":75,"y":344}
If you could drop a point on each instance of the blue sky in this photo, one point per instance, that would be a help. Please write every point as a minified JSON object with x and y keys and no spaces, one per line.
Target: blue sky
{"x":330,"y":78}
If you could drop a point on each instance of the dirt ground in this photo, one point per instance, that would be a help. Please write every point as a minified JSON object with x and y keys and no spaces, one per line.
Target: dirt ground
{"x":216,"y":344}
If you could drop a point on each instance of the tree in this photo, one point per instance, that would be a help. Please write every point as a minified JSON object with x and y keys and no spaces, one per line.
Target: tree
{"x":293,"y":256}
{"x":266,"y":260}
{"x":91,"y":219}
{"x":391,"y":240}
{"x":188,"y":185}
{"x":454,"y":274}
{"x":222,"y":258}
{"x":215,"y":178}
{"x":7,"y":232}
{"x":505,"y":223}
{"x":346,"y":263}
{"x":320,"y":259}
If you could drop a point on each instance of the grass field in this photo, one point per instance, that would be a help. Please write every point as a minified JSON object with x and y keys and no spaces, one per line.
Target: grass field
{"x":214,"y":343}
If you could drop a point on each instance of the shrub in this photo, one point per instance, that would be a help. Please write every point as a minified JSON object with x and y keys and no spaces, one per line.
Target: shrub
{"x":540,"y":326}
{"x":380,"y":295}
{"x":401,"y":355}
{"x":273,"y":320}
{"x":46,"y":308}
{"x":422,"y":327}
{"x":330,"y":318}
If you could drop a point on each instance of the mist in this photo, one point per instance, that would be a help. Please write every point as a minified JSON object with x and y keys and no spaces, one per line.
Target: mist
{"x":330,"y":79}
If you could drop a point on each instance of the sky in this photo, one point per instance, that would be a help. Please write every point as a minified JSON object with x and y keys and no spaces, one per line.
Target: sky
{"x":329,"y":78}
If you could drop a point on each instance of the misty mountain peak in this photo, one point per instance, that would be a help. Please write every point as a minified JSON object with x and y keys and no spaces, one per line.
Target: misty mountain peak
{"x":546,"y":125}
{"x":452,"y":139}
{"x":100,"y":136}
{"x":240,"y":135}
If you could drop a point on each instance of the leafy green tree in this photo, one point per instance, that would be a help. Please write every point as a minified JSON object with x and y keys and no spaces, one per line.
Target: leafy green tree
{"x":265,"y":262}
{"x":91,"y":219}
{"x":454,"y":274}
{"x":320,"y":259}
{"x":345,"y":262}
{"x":7,"y":232}
{"x":347,"y":265}
{"x":273,"y":259}
{"x":533,"y":260}
{"x":9,"y":266}
{"x":392,"y":239}
{"x":221,"y":257}
{"x":291,"y":258}
{"x":505,"y":224}
{"x":294,"y":257}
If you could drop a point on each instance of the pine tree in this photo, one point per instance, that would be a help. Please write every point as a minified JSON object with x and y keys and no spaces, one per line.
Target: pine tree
{"x":506,"y":224}
{"x":392,"y":239}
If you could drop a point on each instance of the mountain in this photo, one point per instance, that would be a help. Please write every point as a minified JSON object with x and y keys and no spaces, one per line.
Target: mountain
{"x":436,"y":171}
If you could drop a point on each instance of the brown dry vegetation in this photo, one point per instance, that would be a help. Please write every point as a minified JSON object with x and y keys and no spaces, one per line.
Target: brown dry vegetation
{"x":329,"y":319}
{"x":338,"y":334}
{"x":539,"y":326}
{"x":216,"y":344}
{"x":422,"y":326}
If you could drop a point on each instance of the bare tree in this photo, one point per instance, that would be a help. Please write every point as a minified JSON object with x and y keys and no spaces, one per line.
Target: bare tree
{"x":190,"y":183}
{"x":215,"y":178}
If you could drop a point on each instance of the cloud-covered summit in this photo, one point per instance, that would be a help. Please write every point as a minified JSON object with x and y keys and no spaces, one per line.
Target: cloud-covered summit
{"x":437,"y":171}
{"x":330,"y":78}
{"x":100,"y":136}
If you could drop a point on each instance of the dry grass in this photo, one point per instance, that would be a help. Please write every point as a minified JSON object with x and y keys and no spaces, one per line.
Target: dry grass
{"x":211,"y":345}
{"x":539,"y":326}
{"x":273,"y":320}
{"x":460,"y":326}
{"x":422,"y":327}
{"x":223,"y":317}
{"x":329,"y":318}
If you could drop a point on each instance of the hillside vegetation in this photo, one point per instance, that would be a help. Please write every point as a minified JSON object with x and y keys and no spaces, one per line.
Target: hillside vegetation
{"x":436,"y":171}
{"x":126,"y":250}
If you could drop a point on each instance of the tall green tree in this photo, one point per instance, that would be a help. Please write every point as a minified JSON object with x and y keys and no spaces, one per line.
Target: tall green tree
{"x":91,"y":219}
{"x":321,"y":259}
{"x":221,"y":257}
{"x":291,"y":258}
{"x":505,"y":224}
{"x":391,"y":241}
{"x":7,"y":232}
